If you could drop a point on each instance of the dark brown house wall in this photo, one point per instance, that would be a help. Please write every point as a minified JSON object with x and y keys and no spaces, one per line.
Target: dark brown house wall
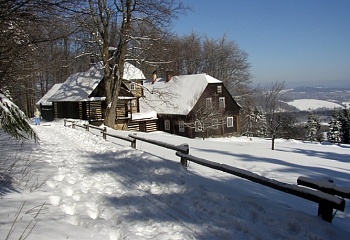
{"x":174,"y":121}
{"x":231,"y":110}
{"x":67,"y":110}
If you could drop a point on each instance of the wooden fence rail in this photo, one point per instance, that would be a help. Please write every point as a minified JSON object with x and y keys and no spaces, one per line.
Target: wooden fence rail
{"x":88,"y":126}
{"x":71,"y":121}
{"x":183,"y":148}
{"x":128,"y":139}
{"x":326,"y":201}
{"x":325,"y":186}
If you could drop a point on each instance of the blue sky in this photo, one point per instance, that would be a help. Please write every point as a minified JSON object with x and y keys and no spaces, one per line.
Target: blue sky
{"x":300,"y":42}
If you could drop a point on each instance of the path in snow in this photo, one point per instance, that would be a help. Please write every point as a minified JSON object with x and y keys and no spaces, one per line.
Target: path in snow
{"x":91,"y":191}
{"x":117,"y":192}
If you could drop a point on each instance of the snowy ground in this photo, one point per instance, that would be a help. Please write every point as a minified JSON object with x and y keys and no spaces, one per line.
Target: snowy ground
{"x":75,"y":185}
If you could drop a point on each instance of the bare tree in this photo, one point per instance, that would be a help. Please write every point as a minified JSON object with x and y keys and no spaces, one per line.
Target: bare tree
{"x":207,"y":114}
{"x":33,"y":37}
{"x":224,"y":60}
{"x":129,"y":16}
{"x":272,"y":95}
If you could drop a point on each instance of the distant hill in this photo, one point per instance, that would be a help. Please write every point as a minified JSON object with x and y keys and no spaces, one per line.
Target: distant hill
{"x":314,"y":104}
{"x":312,"y":98}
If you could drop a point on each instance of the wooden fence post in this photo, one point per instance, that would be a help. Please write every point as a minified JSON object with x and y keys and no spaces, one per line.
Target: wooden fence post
{"x":73,"y":124}
{"x":133,"y":143}
{"x":87,"y":127}
{"x":65,"y":122}
{"x":185,"y":150}
{"x":104,"y":133}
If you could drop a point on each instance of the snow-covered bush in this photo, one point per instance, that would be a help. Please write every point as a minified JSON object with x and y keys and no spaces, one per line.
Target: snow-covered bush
{"x":13,"y":121}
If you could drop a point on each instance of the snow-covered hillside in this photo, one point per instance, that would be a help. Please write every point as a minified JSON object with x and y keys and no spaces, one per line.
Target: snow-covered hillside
{"x":80,"y":186}
{"x":313,"y":104}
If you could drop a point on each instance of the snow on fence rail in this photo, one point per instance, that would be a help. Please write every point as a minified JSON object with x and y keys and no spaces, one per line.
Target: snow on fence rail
{"x":326,"y":201}
{"x":326,"y":186}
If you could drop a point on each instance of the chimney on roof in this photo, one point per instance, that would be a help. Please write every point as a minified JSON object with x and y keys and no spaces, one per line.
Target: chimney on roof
{"x":168,"y":75}
{"x":154,"y":76}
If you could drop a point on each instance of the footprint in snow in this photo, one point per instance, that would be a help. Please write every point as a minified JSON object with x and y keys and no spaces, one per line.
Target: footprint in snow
{"x":51,"y":183}
{"x":59,"y":178}
{"x":55,"y":200}
{"x":76,"y":197}
{"x":108,"y":190}
{"x":71,"y":180}
{"x":69,"y":209}
{"x":92,"y":210}
{"x":68,"y":190}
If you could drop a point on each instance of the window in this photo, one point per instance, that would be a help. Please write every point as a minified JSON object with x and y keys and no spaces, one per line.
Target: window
{"x":132,"y":103}
{"x":132,"y":86}
{"x":230,"y":122}
{"x":215,"y":123}
{"x":219,"y":89}
{"x":208,"y":102}
{"x":221,"y":102}
{"x":181,"y":126}
{"x":167,"y":125}
{"x":198,"y":126}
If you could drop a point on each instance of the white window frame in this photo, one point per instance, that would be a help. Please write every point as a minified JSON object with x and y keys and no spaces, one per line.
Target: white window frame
{"x":215,"y":123}
{"x":229,"y":122}
{"x":132,"y":103}
{"x":132,"y":86}
{"x":167,"y":125}
{"x":197,"y":126}
{"x":181,"y":126}
{"x":208,"y":102}
{"x":221,"y":102}
{"x":219,"y":89}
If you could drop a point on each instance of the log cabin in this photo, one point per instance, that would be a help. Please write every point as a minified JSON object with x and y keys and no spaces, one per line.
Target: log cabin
{"x":82,"y":96}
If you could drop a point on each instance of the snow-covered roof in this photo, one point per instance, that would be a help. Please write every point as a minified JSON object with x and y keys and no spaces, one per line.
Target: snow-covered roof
{"x":178,"y":96}
{"x":132,"y":73}
{"x":80,"y":85}
{"x":44,"y":100}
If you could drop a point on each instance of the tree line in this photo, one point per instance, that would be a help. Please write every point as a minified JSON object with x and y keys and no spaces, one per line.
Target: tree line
{"x":43,"y":42}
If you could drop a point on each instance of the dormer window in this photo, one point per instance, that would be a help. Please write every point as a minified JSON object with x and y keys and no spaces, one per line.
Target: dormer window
{"x":132,"y":86}
{"x":219,"y":89}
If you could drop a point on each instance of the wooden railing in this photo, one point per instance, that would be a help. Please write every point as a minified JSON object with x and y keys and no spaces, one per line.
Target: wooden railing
{"x":183,"y":148}
{"x":326,"y":200}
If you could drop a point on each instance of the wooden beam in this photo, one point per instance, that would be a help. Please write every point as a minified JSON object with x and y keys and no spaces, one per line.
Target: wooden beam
{"x":324,"y":186}
{"x":326,"y":201}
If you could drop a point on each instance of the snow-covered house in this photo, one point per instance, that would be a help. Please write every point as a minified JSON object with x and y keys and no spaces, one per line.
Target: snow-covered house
{"x":82,"y":96}
{"x":191,"y":105}
{"x":45,"y":106}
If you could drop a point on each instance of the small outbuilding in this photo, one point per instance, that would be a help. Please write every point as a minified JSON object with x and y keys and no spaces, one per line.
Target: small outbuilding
{"x":45,"y":106}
